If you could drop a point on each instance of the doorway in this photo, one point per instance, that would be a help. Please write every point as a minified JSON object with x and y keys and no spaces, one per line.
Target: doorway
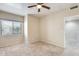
{"x":72,"y":32}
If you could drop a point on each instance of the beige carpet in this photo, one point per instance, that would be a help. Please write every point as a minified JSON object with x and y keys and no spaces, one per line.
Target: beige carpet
{"x":35,"y":49}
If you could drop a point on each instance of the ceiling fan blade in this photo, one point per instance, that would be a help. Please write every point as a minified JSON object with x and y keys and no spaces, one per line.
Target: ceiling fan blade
{"x":40,"y":3}
{"x":38,"y":10}
{"x":31,"y":6}
{"x":46,"y":7}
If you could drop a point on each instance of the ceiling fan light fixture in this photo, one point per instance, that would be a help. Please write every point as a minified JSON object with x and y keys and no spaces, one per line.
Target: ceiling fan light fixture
{"x":39,"y":6}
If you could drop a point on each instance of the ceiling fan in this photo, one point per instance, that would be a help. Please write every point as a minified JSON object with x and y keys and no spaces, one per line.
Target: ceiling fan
{"x":39,"y":6}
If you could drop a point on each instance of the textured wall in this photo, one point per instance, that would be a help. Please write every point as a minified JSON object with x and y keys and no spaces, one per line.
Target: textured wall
{"x":33,"y":28}
{"x":52,"y":29}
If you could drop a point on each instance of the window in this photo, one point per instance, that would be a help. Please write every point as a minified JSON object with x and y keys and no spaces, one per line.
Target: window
{"x":6,"y":27}
{"x":10,"y":27}
{"x":16,"y":27}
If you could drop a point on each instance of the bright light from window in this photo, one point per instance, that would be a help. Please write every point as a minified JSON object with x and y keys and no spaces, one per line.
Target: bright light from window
{"x":6,"y":27}
{"x":70,"y":25}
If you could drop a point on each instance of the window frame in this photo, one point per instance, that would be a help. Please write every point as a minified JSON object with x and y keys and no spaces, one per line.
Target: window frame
{"x":0,"y":28}
{"x":9,"y":33}
{"x":14,"y":26}
{"x":21,"y":22}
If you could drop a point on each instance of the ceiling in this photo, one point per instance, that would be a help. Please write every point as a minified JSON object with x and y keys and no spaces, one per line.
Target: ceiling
{"x":21,"y":8}
{"x":15,"y":8}
{"x":54,"y":8}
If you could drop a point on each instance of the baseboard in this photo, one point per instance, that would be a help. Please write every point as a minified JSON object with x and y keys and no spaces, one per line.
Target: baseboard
{"x":46,"y":43}
{"x":34,"y":42}
{"x":51,"y":44}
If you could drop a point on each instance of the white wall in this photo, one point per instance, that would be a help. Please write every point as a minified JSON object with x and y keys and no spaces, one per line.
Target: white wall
{"x":33,"y":28}
{"x":52,"y":29}
{"x":26,"y":30}
{"x":52,"y":26}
